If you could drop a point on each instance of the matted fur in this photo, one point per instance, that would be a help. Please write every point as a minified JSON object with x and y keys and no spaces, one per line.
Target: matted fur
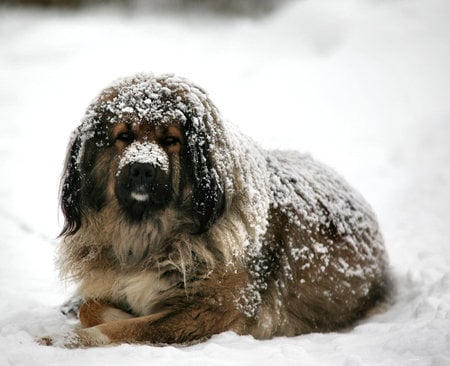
{"x":238,"y":238}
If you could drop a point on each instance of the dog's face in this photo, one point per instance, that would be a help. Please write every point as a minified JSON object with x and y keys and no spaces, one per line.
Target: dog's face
{"x":147,"y":177}
{"x":141,"y":164}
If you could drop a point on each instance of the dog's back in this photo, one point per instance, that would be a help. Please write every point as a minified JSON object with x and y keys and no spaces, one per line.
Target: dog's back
{"x":324,"y":254}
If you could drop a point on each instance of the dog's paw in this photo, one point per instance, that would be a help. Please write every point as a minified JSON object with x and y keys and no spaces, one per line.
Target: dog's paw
{"x":82,"y":338}
{"x":71,"y":340}
{"x":71,"y":308}
{"x":45,"y":341}
{"x":89,"y":337}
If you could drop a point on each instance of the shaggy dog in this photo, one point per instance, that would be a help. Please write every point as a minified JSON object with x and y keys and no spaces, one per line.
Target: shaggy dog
{"x":178,"y":227}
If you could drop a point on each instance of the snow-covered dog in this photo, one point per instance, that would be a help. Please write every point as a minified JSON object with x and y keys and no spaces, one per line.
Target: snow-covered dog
{"x":178,"y":227}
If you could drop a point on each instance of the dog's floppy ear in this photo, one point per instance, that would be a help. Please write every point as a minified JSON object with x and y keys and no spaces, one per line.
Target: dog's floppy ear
{"x":70,"y":198}
{"x":208,"y":196}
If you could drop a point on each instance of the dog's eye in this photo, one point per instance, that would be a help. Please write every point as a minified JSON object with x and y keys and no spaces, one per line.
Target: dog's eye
{"x":169,"y":141}
{"x":127,"y":137}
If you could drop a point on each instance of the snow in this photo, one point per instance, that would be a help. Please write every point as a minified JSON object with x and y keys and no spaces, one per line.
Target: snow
{"x":362,"y":85}
{"x":144,"y":152}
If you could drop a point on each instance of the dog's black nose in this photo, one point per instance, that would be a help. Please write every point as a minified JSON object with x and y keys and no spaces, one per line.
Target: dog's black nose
{"x":142,"y":173}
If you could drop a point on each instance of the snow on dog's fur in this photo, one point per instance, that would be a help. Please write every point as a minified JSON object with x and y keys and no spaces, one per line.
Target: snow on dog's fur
{"x":178,"y":227}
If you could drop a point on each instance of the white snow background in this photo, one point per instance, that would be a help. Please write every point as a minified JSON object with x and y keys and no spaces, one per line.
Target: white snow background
{"x":364,"y":85}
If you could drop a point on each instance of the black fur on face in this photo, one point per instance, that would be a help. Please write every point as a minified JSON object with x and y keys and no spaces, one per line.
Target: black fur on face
{"x":142,"y":189}
{"x":82,"y":185}
{"x":208,"y":199}
{"x":70,"y":190}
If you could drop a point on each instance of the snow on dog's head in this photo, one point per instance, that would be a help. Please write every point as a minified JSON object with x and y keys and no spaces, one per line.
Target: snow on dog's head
{"x":144,"y":153}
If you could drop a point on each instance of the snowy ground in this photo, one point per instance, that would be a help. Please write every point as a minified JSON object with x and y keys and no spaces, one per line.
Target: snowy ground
{"x":364,"y":85}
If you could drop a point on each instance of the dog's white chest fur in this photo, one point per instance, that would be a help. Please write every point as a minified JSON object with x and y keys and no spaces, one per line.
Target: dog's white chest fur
{"x":138,"y":291}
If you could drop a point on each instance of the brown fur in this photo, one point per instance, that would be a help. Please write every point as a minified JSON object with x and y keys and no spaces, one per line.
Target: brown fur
{"x":199,"y":264}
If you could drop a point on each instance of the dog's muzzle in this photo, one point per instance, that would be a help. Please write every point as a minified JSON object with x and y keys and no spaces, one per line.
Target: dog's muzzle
{"x":141,"y":189}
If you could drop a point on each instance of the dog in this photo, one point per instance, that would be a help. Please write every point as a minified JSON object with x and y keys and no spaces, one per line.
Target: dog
{"x":178,"y":227}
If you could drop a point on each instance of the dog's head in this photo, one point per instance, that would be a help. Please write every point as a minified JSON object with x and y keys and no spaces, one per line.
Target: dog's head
{"x":144,"y":146}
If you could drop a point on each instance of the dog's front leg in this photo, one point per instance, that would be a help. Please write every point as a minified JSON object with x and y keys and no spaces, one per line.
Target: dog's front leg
{"x":94,"y":312}
{"x":91,"y":314}
{"x":71,"y":308}
{"x":183,"y":326}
